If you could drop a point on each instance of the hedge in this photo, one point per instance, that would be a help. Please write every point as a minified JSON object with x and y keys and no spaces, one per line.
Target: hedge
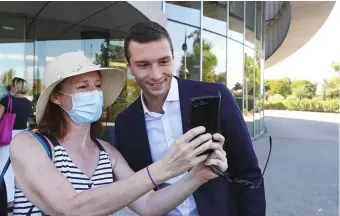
{"x":330,"y":106}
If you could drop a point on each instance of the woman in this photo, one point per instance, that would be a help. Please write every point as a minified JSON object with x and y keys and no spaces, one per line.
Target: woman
{"x":89,"y":176}
{"x":22,"y":107}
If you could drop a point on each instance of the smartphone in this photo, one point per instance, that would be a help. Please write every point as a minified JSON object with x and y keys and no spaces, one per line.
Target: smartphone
{"x":205,"y":111}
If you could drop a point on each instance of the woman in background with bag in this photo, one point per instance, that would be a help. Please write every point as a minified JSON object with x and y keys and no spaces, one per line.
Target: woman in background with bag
{"x":14,"y":112}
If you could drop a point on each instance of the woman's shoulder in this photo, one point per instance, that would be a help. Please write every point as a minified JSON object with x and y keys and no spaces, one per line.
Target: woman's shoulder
{"x":110,"y":150}
{"x":107,"y":146}
{"x":25,"y":143}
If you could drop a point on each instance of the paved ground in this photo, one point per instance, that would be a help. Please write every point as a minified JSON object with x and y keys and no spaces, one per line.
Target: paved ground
{"x":302,"y":177}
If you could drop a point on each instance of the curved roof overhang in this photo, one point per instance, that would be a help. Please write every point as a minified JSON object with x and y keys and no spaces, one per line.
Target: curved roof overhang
{"x":307,"y":17}
{"x":64,"y":20}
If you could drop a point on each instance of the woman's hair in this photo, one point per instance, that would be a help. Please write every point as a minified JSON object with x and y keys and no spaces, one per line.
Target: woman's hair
{"x":53,"y":121}
{"x":20,"y":85}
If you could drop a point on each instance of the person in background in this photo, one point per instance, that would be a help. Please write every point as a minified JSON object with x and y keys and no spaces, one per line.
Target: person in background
{"x":22,"y":107}
{"x":161,"y":114}
{"x":85,"y":175}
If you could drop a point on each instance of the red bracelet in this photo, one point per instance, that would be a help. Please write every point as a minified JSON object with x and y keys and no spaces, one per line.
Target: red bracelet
{"x":147,"y":169}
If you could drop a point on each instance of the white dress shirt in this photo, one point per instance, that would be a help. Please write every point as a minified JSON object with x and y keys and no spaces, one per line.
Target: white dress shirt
{"x":162,"y":131}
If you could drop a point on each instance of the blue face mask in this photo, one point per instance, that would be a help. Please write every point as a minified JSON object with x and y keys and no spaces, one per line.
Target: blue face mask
{"x":86,"y":107}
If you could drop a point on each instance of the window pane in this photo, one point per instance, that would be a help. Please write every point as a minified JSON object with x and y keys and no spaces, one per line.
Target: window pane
{"x":250,"y":24}
{"x":188,"y":12}
{"x":259,"y":26}
{"x":236,"y":18}
{"x":249,"y":86}
{"x":214,"y":58}
{"x":131,"y":91}
{"x":235,"y":70}
{"x":215,"y":16}
{"x":263,"y":93}
{"x":12,"y":50}
{"x":186,"y":42}
{"x":258,"y":94}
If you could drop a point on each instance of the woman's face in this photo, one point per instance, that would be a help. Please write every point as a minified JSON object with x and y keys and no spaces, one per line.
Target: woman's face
{"x":81,"y":83}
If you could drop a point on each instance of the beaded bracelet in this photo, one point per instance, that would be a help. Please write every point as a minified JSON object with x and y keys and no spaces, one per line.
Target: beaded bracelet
{"x":147,"y":169}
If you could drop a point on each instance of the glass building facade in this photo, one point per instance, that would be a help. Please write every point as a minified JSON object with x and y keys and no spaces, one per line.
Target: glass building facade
{"x":215,"y":41}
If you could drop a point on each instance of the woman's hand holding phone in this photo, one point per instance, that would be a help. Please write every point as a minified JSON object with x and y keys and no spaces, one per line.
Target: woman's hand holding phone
{"x":186,"y":152}
{"x":203,"y":172}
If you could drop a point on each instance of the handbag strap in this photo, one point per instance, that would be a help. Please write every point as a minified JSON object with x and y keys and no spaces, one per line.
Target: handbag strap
{"x":9,"y":105}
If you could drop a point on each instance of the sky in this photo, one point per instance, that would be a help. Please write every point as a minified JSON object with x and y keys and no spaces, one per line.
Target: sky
{"x":313,"y":61}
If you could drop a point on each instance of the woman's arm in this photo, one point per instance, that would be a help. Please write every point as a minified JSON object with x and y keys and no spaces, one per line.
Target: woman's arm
{"x":164,"y":200}
{"x":3,"y":105}
{"x":50,"y":191}
{"x":2,"y":110}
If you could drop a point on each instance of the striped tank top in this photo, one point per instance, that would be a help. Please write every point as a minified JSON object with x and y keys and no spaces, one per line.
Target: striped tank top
{"x":102,"y":175}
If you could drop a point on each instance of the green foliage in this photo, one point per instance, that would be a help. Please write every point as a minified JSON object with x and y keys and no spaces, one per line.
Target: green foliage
{"x":237,"y":86}
{"x":221,"y":78}
{"x":209,"y":60}
{"x":336,"y":66}
{"x":209,"y":77}
{"x":7,"y":77}
{"x":303,"y":89}
{"x":249,"y":68}
{"x":310,"y":105}
{"x":114,"y":54}
{"x":133,"y":89}
{"x":278,"y":86}
{"x":330,"y":88}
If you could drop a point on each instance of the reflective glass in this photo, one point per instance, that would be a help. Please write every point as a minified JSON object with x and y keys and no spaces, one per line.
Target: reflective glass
{"x":215,"y":16}
{"x":249,"y":87}
{"x":250,"y":24}
{"x":214,"y":58}
{"x":186,"y":42}
{"x":236,"y":18}
{"x":235,"y":70}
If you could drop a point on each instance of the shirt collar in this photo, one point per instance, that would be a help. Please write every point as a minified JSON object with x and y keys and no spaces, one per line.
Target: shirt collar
{"x":173,"y":95}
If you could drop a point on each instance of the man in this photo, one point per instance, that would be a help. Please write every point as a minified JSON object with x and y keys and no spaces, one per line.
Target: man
{"x":145,"y":130}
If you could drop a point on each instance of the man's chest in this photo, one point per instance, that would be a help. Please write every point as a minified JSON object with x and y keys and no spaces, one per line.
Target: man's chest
{"x":163,"y":130}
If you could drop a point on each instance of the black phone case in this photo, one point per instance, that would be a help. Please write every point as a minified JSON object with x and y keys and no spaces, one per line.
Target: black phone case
{"x":205,"y":111}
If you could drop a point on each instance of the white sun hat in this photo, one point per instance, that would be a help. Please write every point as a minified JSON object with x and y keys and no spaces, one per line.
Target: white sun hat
{"x":76,"y":63}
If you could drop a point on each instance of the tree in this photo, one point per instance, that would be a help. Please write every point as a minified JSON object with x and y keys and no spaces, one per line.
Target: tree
{"x":209,"y":60}
{"x":330,"y":88}
{"x":133,"y":89}
{"x":249,"y":68}
{"x":336,"y":66}
{"x":303,"y":89}
{"x":114,"y":56}
{"x":237,"y":86}
{"x":221,"y":78}
{"x":279,"y":86}
{"x":300,"y":92}
{"x":7,"y":77}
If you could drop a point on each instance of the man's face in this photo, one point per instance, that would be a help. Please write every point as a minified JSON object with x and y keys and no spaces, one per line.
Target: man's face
{"x":152,"y":64}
